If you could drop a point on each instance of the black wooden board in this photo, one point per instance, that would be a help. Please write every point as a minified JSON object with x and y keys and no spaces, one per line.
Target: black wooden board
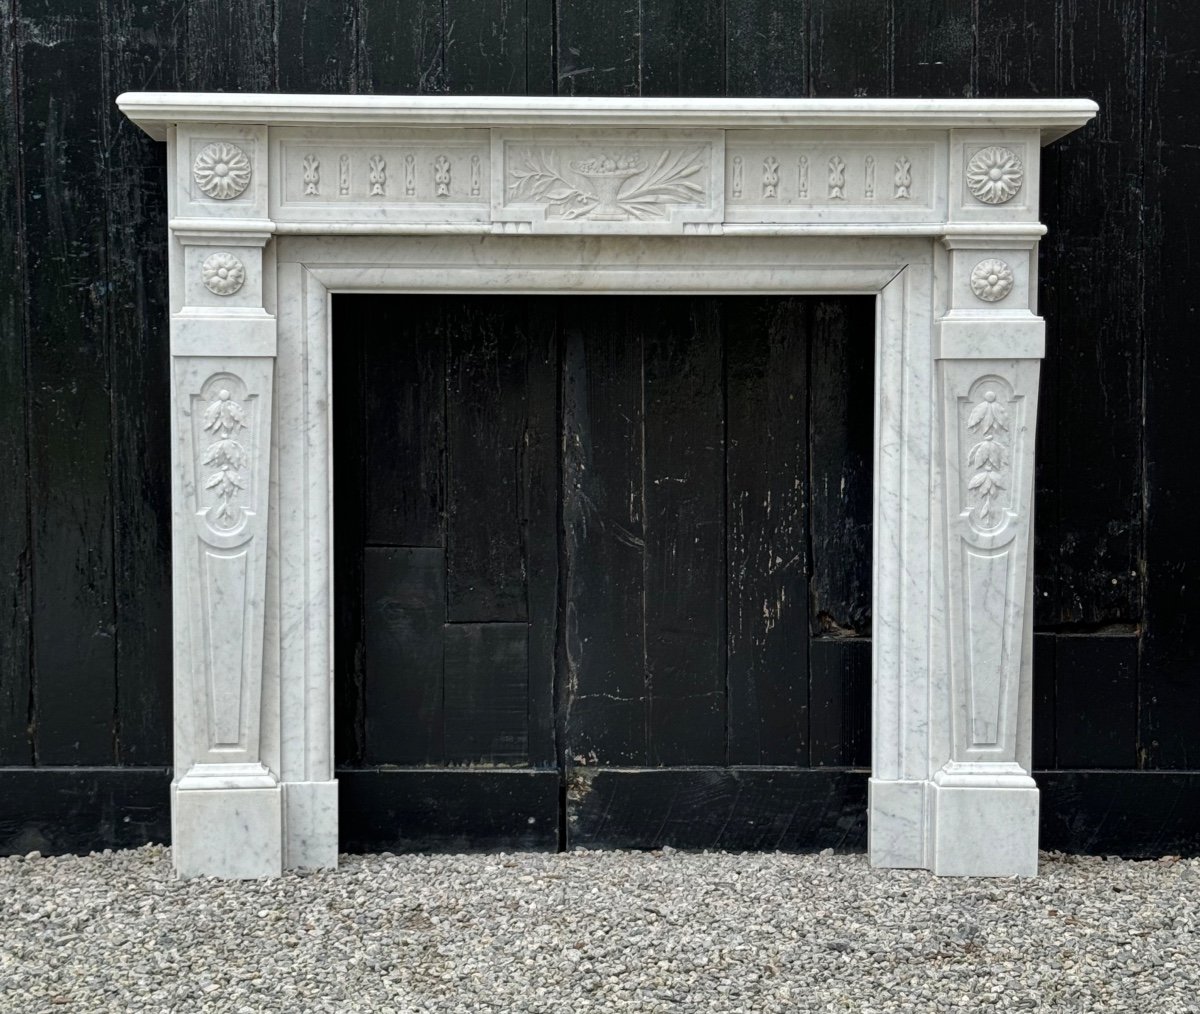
{"x":447,"y":810}
{"x":143,"y":41}
{"x":486,"y":696}
{"x":767,"y":522}
{"x":1137,"y":815}
{"x":605,"y":704}
{"x":16,"y":659}
{"x":1133,"y":814}
{"x":57,"y":811}
{"x":404,"y":610}
{"x":1095,"y":714}
{"x":730,"y":808}
{"x":1169,"y":694}
{"x":67,"y":339}
{"x":486,"y":404}
{"x":403,"y":418}
{"x":839,"y":702}
{"x":683,"y":491}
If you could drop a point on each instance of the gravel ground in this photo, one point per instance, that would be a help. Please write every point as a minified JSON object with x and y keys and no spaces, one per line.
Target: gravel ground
{"x":597,"y":931}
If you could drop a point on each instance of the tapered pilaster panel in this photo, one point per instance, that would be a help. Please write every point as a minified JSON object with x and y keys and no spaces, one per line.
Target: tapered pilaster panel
{"x":984,"y":805}
{"x":222,"y":445}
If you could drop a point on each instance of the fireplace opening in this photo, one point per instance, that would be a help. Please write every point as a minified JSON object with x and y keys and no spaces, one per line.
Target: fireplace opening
{"x":602,"y":570}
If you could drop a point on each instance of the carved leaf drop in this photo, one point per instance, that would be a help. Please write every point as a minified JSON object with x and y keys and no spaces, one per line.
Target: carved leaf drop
{"x":223,"y":420}
{"x":987,"y":458}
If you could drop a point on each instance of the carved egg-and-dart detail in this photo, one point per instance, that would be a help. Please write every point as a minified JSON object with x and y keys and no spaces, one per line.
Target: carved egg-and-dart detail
{"x":991,"y":280}
{"x":223,"y":273}
{"x":995,"y":174}
{"x":222,"y":171}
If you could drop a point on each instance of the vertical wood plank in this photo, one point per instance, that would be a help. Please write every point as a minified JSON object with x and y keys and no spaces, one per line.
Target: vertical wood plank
{"x":404,"y":593}
{"x":143,"y":50}
{"x":934,"y":45}
{"x":230,"y":47}
{"x":486,"y":47}
{"x":605,"y":704}
{"x":1169,"y":696}
{"x":486,"y":405}
{"x":404,"y":420}
{"x":840,"y":701}
{"x":850,"y":48}
{"x":1045,"y":723}
{"x":541,"y":483}
{"x":841,"y":414}
{"x":69,"y":376}
{"x":487,"y":694}
{"x":1090,"y":558}
{"x":682,"y":47}
{"x":684,"y":489}
{"x":316,"y":46}
{"x":401,"y":47}
{"x":766,"y":342}
{"x":1016,"y":52}
{"x":1096,"y":701}
{"x":16,"y":745}
{"x":598,"y":47}
{"x":541,"y":75}
{"x":766,"y":48}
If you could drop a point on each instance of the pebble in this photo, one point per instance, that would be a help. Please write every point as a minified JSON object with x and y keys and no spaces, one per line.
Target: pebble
{"x":596,"y":932}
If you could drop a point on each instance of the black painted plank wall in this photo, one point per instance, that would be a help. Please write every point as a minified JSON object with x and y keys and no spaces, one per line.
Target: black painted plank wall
{"x":84,"y":519}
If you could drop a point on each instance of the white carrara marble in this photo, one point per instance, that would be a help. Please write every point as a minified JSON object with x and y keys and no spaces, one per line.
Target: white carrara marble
{"x":929,"y":205}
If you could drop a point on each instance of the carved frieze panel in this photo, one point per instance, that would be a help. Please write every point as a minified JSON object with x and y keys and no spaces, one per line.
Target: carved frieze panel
{"x":605,"y":182}
{"x":405,"y":176}
{"x":829,"y":176}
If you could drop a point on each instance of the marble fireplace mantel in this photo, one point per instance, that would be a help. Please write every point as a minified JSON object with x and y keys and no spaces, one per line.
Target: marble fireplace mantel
{"x":277,"y":201}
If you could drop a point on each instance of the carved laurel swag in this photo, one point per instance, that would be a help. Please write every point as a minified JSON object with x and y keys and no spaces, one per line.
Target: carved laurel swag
{"x":226,"y":456}
{"x":987,"y":459}
{"x":608,"y":186}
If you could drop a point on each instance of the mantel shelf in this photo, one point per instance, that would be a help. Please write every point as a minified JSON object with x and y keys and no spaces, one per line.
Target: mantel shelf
{"x":154,"y":112}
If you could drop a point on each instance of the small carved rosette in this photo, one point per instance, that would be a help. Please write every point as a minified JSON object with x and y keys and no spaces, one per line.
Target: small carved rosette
{"x":994,"y":175}
{"x":222,"y":171}
{"x":223,"y":274}
{"x":991,"y":280}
